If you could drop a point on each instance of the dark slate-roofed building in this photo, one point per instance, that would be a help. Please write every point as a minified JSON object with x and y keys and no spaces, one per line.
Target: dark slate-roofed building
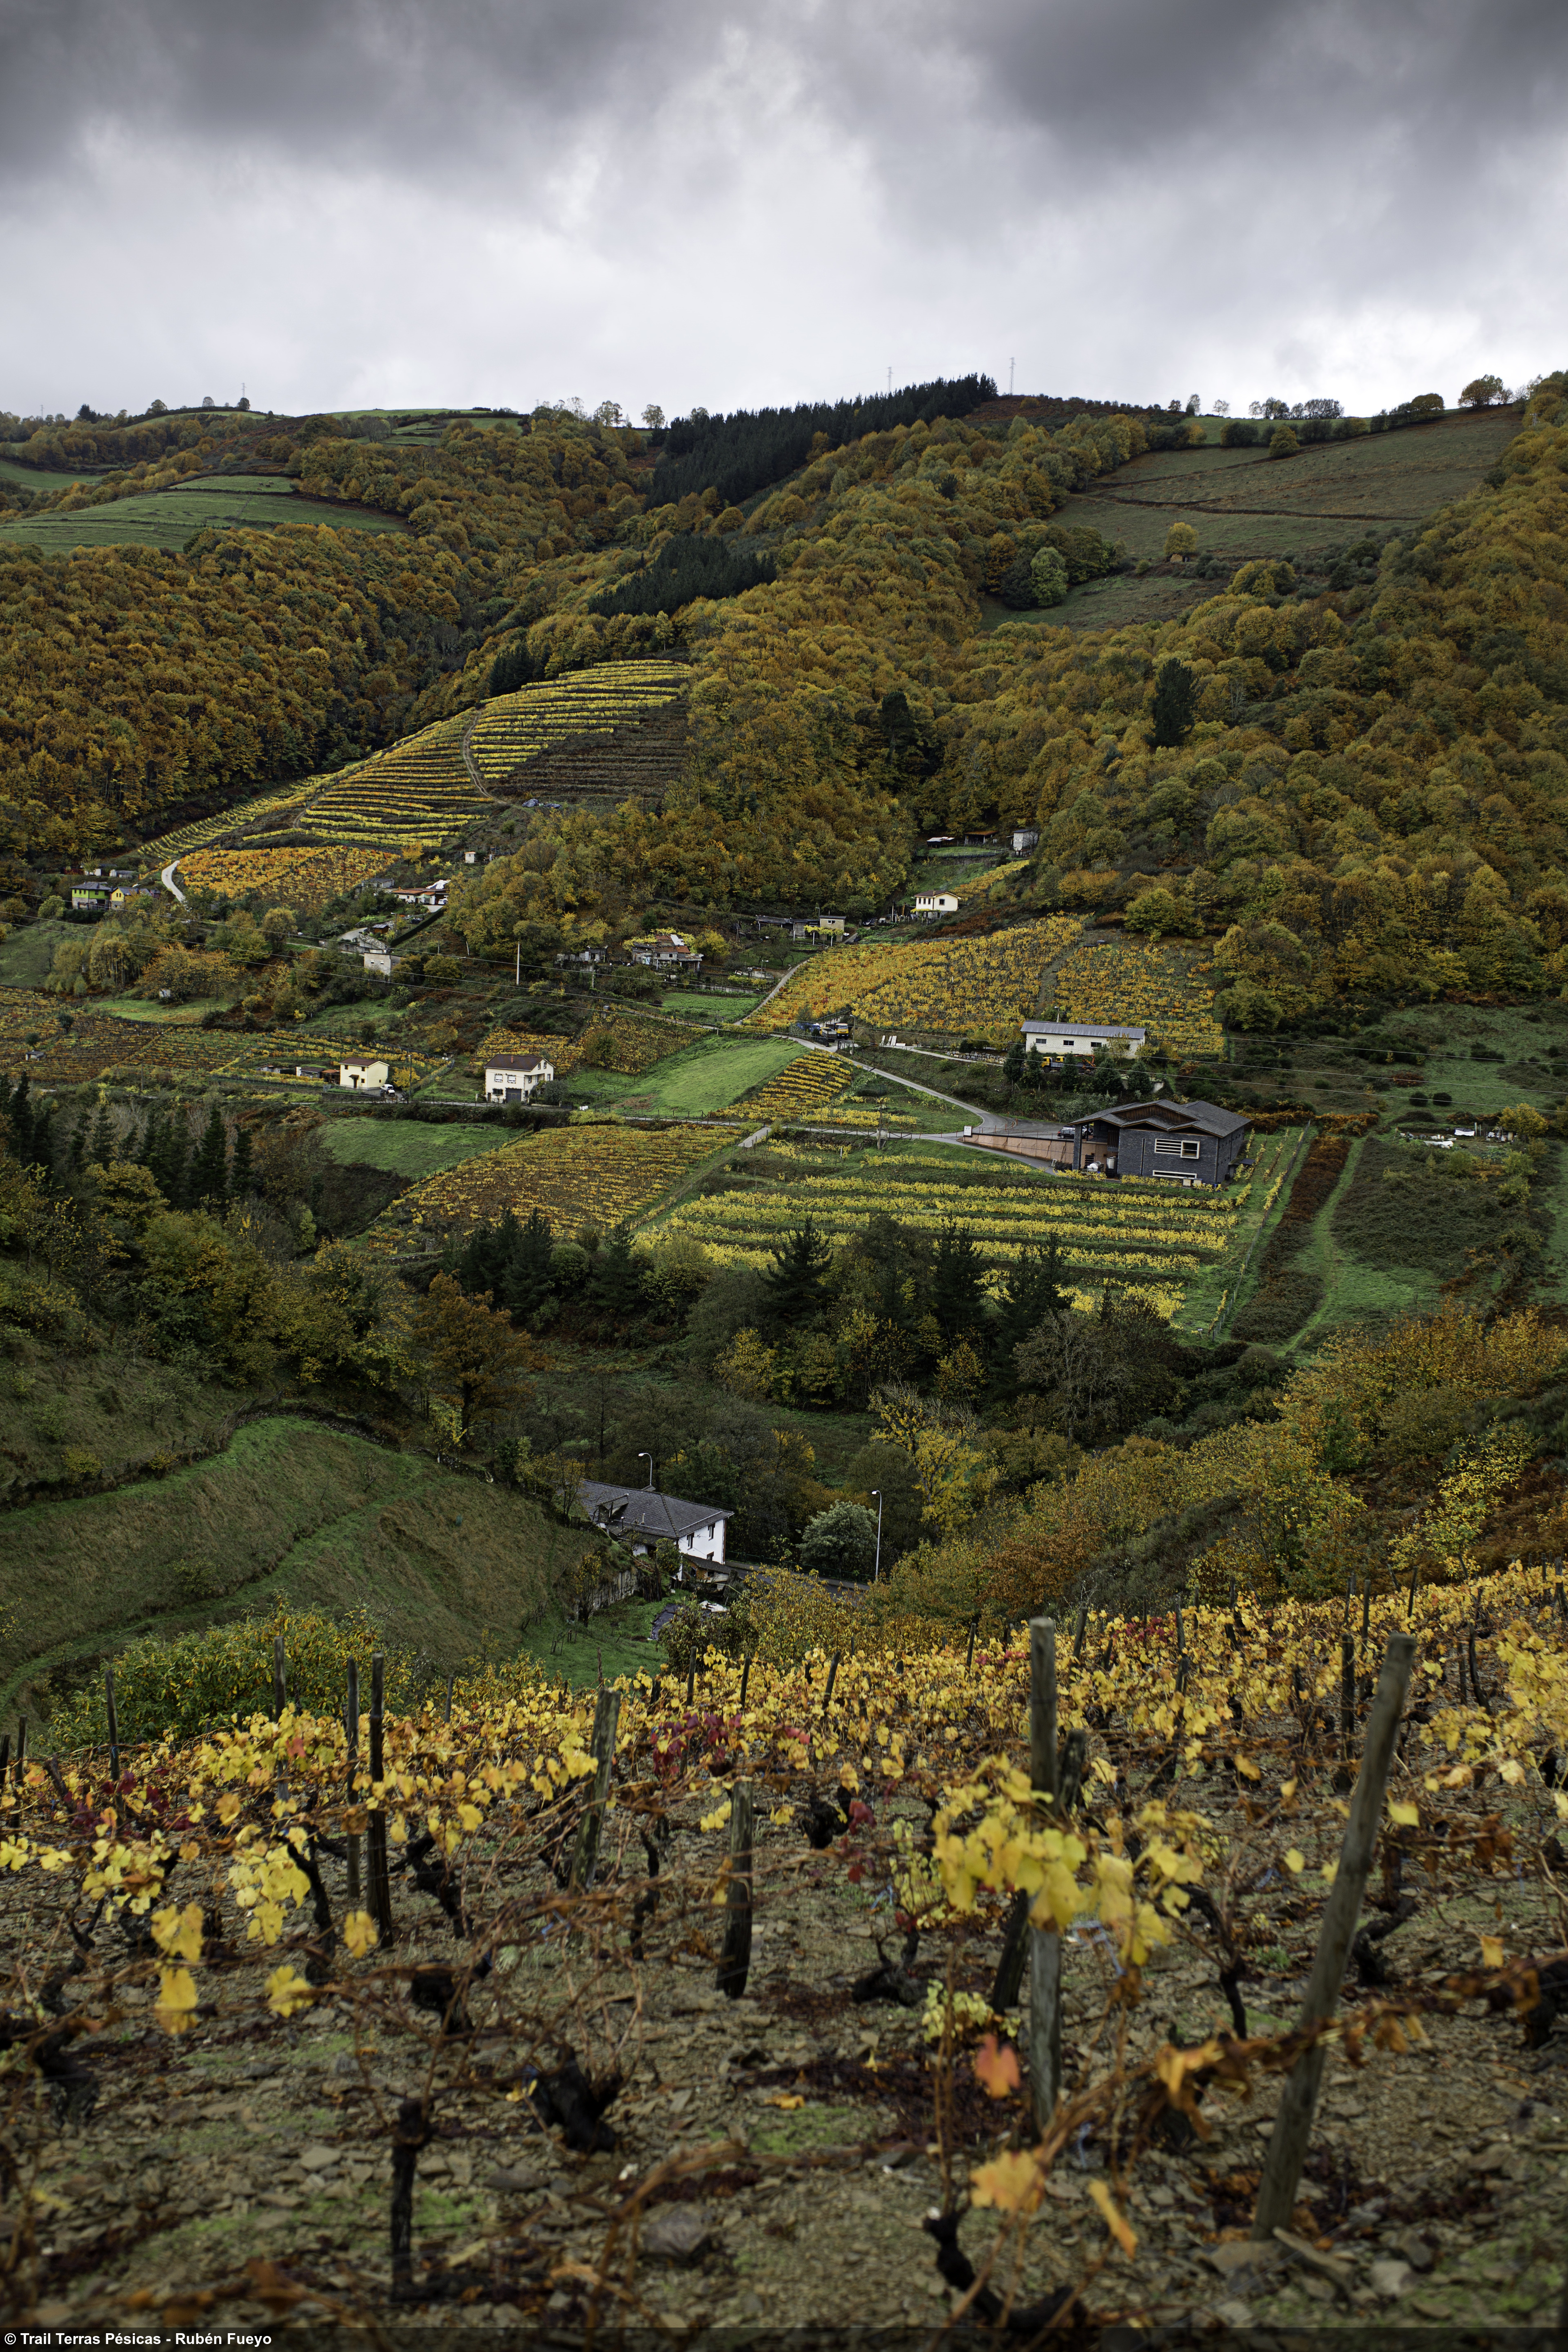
{"x":642,"y":1516}
{"x":1189,"y":1144}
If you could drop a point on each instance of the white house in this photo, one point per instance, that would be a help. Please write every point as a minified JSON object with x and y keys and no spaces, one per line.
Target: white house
{"x":935,"y":902}
{"x":665,"y":951}
{"x":642,"y":1516}
{"x":1025,"y":837}
{"x":364,"y":1074}
{"x":382,"y":961}
{"x":515,"y":1080}
{"x":430,"y":894}
{"x":1061,"y":1038}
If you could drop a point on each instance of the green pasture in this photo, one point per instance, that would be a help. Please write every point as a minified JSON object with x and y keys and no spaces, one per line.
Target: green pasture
{"x":27,"y":957}
{"x":709,"y":1008}
{"x":1242,"y":503}
{"x":406,"y":1147}
{"x":708,"y":1075}
{"x":166,"y":519}
{"x":288,"y":1511}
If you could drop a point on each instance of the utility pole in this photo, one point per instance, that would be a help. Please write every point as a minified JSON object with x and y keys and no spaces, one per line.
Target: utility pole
{"x":648,"y":1459}
{"x":876,"y":1573}
{"x":1011,"y":365}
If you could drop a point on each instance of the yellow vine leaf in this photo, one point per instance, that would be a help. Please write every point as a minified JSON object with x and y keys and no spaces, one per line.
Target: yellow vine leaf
{"x":359,"y":1934}
{"x":1011,"y":2183}
{"x":1404,"y":1817}
{"x":1115,"y":2221}
{"x":1295,"y":1861}
{"x":176,"y":2001}
{"x":179,"y":1933}
{"x":286,"y":1990}
{"x":1491,"y":1952}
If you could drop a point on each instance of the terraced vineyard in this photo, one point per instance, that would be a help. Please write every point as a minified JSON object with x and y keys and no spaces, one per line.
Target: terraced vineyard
{"x":517,"y":730}
{"x":601,"y":1175}
{"x":806,"y":1086}
{"x":951,"y":987}
{"x":1125,"y":982}
{"x":414,"y":796}
{"x":203,"y":830}
{"x":1146,"y":1237}
{"x":304,"y":880}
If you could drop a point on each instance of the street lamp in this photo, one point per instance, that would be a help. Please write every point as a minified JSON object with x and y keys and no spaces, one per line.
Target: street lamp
{"x":877,"y":1571}
{"x":648,"y":1459}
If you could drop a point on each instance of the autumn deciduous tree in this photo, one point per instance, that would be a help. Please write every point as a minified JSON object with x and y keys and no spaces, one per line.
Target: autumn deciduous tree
{"x":1483,"y":391}
{"x":1282,"y":442}
{"x":1181,"y":541}
{"x":471,"y":1355}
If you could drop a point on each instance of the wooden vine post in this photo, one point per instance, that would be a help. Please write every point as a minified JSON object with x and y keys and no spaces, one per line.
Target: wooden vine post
{"x":279,"y":1679}
{"x":606,"y":1716}
{"x":350,"y":1726}
{"x":113,"y":1716}
{"x":1293,"y":2122}
{"x":735,"y":1959}
{"x":1045,"y":1944}
{"x":380,"y":1877}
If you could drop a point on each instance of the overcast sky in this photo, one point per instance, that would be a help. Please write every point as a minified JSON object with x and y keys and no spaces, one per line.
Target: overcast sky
{"x":373,"y":202}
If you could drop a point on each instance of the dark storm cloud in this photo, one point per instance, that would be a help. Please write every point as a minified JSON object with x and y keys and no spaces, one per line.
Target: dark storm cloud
{"x":754,"y":198}
{"x":424,"y":90}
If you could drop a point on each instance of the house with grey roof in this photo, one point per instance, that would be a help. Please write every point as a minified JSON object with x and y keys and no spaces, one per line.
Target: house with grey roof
{"x":642,"y":1516}
{"x":1185,"y":1142}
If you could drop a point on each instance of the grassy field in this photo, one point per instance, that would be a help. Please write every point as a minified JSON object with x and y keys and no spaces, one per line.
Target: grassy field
{"x":708,"y":1075}
{"x":166,"y":519}
{"x":712,"y":1008}
{"x":615,"y":1642}
{"x":1242,"y":503}
{"x":25,"y":957}
{"x":405,"y":1147}
{"x":290,"y":1511}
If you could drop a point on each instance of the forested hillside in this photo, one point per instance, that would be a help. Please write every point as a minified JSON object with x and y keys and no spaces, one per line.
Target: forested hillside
{"x":1350,"y":776}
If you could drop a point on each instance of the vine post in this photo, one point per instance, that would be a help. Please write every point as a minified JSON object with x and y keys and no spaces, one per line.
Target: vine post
{"x":1298,"y":2105}
{"x":735,"y":1961}
{"x":380,"y":1877}
{"x":606,"y":1715}
{"x":1045,"y":1944}
{"x":350,"y":1726}
{"x":113,"y":1716}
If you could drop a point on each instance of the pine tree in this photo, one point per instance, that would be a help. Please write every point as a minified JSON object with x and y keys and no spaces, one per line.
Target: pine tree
{"x":1176,"y":704}
{"x":79,"y":1144}
{"x":100,"y":1143}
{"x":209,"y":1164}
{"x":794,"y":1282}
{"x":616,"y":1284}
{"x":19,"y":1117}
{"x":242,"y":1175}
{"x":525,"y":1282}
{"x":958,"y":1282}
{"x":1033,"y":1291}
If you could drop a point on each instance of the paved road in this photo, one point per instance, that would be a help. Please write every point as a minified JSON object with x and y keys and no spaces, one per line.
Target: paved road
{"x":169,"y":883}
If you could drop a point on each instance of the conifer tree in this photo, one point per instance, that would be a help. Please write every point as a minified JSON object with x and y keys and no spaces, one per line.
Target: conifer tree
{"x":242,"y":1175}
{"x":209,"y":1164}
{"x":794,"y":1282}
